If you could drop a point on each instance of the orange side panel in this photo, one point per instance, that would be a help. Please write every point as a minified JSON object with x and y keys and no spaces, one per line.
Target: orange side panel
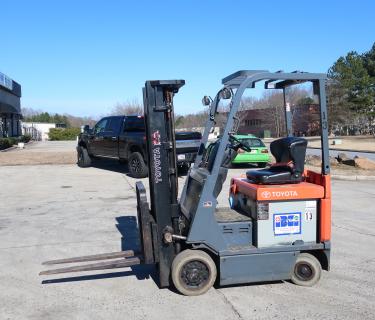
{"x":325,"y":220}
{"x":303,"y":190}
{"x":242,"y":186}
{"x":325,"y":203}
{"x":322,"y":180}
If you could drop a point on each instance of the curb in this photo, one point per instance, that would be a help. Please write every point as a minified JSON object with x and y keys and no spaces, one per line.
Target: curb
{"x":352,"y":178}
{"x":16,"y":147}
{"x":9,"y":149}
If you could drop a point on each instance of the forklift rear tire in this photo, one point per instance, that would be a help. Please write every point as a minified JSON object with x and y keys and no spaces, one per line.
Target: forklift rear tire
{"x":193,"y":272}
{"x":307,"y":270}
{"x":84,"y":159}
{"x":137,"y":166}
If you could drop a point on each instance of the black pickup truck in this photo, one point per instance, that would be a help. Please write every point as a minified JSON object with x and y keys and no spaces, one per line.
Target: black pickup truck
{"x":124,"y":138}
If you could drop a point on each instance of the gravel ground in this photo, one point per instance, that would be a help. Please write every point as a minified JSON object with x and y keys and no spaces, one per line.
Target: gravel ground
{"x":58,"y":211}
{"x":35,"y":153}
{"x":358,"y":143}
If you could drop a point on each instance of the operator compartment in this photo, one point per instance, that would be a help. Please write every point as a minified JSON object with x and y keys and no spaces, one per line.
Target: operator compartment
{"x":283,"y":201}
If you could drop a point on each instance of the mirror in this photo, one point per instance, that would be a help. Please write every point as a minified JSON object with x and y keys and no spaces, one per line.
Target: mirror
{"x":206,"y":101}
{"x":86,"y":128}
{"x":225,"y":93}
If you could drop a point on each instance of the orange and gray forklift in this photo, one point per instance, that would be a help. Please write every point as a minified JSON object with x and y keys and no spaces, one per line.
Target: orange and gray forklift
{"x":278,"y":224}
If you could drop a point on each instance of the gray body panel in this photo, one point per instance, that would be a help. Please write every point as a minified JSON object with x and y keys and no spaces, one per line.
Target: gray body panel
{"x":257,"y":267}
{"x":305,"y":230}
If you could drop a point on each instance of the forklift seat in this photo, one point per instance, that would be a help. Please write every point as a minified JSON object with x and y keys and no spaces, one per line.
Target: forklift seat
{"x":290,"y":155}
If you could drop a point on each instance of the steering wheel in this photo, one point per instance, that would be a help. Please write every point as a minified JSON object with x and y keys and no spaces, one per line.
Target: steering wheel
{"x":238,"y":144}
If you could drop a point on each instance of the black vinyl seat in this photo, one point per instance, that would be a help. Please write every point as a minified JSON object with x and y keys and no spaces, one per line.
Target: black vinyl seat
{"x":290,"y":155}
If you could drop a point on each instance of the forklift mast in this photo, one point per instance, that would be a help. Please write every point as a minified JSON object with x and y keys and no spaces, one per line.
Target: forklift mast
{"x":161,"y":152}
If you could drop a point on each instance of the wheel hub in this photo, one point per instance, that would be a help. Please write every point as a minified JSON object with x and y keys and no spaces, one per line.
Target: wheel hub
{"x":304,"y":271}
{"x":195,"y":274}
{"x":135,"y":165}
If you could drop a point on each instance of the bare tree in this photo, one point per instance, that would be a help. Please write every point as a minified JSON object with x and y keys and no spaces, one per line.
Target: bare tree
{"x":193,"y":120}
{"x":77,"y":122}
{"x":130,"y":107}
{"x":29,"y":112}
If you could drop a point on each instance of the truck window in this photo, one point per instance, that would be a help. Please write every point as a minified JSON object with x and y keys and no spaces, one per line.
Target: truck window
{"x":100,"y":126}
{"x":135,"y":124}
{"x":114,"y":124}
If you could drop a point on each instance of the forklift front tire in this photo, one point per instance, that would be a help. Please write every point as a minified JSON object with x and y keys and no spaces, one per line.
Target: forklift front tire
{"x":307,"y":270}
{"x":193,"y":272}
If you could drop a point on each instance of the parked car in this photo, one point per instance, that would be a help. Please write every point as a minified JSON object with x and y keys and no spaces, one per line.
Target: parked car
{"x":124,"y":138}
{"x":259,"y":152}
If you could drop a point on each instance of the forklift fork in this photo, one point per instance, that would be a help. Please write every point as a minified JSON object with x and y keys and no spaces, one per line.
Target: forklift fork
{"x":121,"y":259}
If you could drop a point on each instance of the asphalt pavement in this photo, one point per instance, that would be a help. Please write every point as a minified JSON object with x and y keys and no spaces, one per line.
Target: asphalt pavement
{"x":57,"y":211}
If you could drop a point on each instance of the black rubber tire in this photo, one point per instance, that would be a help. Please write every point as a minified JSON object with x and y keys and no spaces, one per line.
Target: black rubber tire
{"x":186,"y":264}
{"x":307,"y":270}
{"x":262,"y":164}
{"x":83,"y":157}
{"x":137,"y":166}
{"x":183,"y":169}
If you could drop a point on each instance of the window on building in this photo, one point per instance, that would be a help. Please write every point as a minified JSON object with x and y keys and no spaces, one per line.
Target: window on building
{"x":253,"y":122}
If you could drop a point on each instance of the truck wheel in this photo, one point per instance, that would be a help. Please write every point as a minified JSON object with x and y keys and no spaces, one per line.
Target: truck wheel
{"x":84,"y":159}
{"x":183,"y":169}
{"x":307,"y":270}
{"x":137,"y":166}
{"x":193,"y":272}
{"x":262,"y":164}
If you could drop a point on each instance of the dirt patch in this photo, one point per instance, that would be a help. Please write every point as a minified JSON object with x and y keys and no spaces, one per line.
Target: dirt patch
{"x":364,"y":163}
{"x":342,"y":169}
{"x":25,"y":157}
{"x":357,"y":143}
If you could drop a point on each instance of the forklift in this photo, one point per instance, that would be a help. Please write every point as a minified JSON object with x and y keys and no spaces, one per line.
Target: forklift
{"x":278,"y":222}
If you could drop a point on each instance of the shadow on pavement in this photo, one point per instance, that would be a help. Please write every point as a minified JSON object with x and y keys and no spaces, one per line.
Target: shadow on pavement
{"x":121,"y":167}
{"x":110,"y":165}
{"x":128,"y":228}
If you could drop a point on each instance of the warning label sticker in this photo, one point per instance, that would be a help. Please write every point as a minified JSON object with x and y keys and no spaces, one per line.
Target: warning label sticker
{"x":287,"y":223}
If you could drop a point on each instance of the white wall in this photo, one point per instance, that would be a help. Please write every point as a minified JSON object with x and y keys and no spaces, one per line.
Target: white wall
{"x":42,"y":129}
{"x":212,"y":136}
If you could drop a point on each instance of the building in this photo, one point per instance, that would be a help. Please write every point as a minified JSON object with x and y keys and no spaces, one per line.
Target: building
{"x":38,"y":130}
{"x":10,"y":107}
{"x":212,"y":136}
{"x":270,"y":122}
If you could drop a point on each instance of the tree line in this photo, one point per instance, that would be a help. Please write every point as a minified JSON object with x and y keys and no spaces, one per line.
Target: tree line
{"x":350,"y":100}
{"x":351,"y":93}
{"x":68,"y":120}
{"x":350,"y":97}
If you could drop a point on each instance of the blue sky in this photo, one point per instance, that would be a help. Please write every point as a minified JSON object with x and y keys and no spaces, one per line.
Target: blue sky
{"x":82,"y":57}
